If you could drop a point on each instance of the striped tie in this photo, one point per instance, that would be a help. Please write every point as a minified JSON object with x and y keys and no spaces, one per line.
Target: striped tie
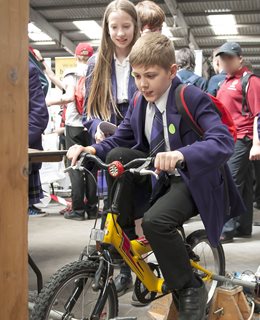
{"x":157,"y":142}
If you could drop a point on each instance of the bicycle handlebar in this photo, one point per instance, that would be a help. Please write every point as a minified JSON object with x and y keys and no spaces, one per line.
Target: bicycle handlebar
{"x":116,"y":168}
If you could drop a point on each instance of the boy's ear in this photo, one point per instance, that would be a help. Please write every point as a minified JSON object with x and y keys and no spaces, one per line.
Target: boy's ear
{"x":173,"y":70}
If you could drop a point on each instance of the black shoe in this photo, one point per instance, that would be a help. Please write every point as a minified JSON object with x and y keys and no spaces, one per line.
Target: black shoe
{"x":193,"y":303}
{"x":239,"y":234}
{"x":38,"y":209}
{"x":226,"y":238}
{"x":123,"y":284}
{"x":74,"y":215}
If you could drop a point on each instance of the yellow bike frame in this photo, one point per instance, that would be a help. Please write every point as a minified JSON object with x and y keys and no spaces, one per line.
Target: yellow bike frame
{"x":132,"y":252}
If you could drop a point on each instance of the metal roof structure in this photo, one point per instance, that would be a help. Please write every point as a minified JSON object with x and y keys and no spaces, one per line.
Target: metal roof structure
{"x":188,"y":21}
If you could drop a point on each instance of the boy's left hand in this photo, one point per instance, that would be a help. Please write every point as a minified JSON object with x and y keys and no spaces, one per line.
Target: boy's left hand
{"x":166,"y":161}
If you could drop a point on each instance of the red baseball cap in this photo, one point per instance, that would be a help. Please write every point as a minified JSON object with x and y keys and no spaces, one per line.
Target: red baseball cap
{"x":84,"y":49}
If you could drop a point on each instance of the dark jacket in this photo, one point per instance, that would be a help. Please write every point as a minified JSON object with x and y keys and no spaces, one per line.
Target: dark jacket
{"x":189,"y":77}
{"x":215,"y":83}
{"x":38,"y":120}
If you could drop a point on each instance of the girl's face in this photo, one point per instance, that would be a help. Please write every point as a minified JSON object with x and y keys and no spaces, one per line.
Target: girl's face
{"x":121,"y":29}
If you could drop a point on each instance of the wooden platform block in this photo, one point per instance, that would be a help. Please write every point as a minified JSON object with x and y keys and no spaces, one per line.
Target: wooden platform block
{"x":231,"y":304}
{"x":163,"y":309}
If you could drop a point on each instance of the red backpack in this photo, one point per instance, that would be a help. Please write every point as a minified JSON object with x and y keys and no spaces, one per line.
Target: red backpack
{"x":80,"y":91}
{"x":184,"y":111}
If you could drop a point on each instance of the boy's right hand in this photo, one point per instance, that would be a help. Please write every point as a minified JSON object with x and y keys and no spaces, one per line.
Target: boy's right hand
{"x":74,"y":152}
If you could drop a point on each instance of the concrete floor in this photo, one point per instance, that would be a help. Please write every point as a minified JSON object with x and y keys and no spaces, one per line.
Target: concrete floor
{"x":55,"y":241}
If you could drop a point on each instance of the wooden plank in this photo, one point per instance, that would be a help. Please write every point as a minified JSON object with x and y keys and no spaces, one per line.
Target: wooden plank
{"x":37,"y":156}
{"x":163,"y":309}
{"x":14,"y":158}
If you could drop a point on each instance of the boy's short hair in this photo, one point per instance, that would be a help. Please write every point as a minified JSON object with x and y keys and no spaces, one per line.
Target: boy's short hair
{"x":150,"y":14}
{"x":185,"y":58}
{"x":153,"y":49}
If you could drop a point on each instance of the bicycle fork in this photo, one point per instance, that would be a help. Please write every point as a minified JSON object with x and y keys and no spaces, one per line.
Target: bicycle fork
{"x":105,"y":264}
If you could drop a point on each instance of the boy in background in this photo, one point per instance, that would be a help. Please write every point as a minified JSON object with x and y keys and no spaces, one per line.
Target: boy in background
{"x":151,"y":16}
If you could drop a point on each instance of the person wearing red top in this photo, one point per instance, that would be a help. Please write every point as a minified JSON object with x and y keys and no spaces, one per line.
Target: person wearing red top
{"x":230,"y":94}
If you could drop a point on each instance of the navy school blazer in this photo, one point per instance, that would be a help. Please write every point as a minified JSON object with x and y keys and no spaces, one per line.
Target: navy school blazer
{"x":38,"y":112}
{"x":92,"y":124}
{"x":203,"y":158}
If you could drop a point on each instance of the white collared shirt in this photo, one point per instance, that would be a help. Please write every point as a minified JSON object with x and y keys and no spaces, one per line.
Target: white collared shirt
{"x":161,"y":104}
{"x":122,"y":78}
{"x":150,"y":112}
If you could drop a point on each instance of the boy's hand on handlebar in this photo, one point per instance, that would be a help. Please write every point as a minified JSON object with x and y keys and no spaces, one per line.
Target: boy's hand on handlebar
{"x":74,"y":152}
{"x":166,"y":161}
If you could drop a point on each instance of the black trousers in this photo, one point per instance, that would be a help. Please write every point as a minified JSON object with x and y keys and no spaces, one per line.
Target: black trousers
{"x":241,"y":170}
{"x":160,"y":221}
{"x":81,"y":184}
{"x":256,"y":167}
{"x":160,"y":224}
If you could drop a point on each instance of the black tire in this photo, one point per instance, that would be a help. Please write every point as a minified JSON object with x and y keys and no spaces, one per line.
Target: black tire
{"x":50,"y":299}
{"x":210,"y":258}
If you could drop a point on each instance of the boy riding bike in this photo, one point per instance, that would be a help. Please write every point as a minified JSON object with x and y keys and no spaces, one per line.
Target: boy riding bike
{"x":152,"y":126}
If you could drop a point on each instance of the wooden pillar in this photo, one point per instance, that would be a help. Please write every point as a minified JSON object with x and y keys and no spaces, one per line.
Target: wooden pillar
{"x":13,"y":158}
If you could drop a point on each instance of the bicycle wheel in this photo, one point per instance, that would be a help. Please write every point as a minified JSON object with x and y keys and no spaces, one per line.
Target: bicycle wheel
{"x":73,"y":282}
{"x":210,"y":258}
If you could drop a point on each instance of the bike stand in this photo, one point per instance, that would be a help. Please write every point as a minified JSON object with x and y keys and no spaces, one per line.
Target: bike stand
{"x":163,"y":309}
{"x":229,"y":304}
{"x":37,"y":273}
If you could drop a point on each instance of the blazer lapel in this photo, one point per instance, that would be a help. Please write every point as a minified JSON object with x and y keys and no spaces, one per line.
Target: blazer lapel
{"x":131,"y":86}
{"x":173,"y":118}
{"x":139,"y":121}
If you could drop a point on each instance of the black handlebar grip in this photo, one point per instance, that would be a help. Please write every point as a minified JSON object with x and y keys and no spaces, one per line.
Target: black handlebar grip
{"x":181,"y":164}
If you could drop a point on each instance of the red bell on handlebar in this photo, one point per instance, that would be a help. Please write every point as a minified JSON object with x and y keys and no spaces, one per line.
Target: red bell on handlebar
{"x":116,"y":169}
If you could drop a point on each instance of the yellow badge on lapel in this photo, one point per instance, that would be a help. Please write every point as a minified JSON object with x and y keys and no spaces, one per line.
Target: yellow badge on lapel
{"x":172,"y":128}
